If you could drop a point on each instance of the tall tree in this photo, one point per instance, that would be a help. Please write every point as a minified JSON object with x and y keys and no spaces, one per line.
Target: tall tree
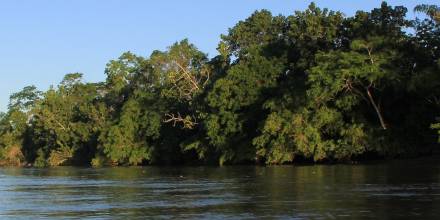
{"x":433,"y":11}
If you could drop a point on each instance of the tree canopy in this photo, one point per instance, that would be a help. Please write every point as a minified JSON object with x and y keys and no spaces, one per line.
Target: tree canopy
{"x":314,"y":85}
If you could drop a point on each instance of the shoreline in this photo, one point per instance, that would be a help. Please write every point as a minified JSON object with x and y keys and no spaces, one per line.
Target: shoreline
{"x":371,"y":161}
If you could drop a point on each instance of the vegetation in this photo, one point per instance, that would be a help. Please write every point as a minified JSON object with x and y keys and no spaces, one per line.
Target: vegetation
{"x":314,"y":85}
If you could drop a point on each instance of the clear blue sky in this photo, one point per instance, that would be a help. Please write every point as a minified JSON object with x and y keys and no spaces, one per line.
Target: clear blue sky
{"x":41,"y":40}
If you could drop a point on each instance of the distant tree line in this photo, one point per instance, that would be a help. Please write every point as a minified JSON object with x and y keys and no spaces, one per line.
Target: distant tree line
{"x":315,"y":85}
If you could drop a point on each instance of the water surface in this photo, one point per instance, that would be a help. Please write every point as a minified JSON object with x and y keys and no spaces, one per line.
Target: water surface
{"x":398,"y":189}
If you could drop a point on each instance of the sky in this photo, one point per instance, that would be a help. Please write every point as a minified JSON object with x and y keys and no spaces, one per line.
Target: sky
{"x":42,"y":40}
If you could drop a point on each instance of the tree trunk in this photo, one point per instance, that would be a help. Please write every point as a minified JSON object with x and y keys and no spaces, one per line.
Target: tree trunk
{"x":376,"y":108}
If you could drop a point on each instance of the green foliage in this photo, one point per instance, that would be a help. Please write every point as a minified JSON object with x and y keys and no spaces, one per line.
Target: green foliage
{"x":100,"y":161}
{"x":125,"y":141}
{"x":183,"y":70}
{"x":67,"y":122}
{"x":40,"y":160}
{"x":433,"y":11}
{"x":25,"y":99}
{"x":60,"y":156}
{"x":314,"y":85}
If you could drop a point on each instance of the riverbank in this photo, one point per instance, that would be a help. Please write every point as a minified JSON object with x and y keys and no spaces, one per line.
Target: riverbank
{"x":302,"y":162}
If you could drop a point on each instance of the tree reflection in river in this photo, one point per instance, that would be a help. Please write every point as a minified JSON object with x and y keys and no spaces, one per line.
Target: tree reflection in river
{"x":407,"y":188}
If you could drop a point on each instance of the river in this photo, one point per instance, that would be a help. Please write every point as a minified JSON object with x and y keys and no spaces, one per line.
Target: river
{"x":407,"y":189}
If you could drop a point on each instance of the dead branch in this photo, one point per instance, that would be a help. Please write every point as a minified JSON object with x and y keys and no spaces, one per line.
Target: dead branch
{"x":188,"y":122}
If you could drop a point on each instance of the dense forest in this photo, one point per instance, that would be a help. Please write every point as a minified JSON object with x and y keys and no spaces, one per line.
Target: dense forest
{"x":314,"y":86}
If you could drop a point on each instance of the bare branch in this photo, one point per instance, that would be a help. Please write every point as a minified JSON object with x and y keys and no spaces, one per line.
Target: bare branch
{"x":188,"y":122}
{"x":188,"y":76}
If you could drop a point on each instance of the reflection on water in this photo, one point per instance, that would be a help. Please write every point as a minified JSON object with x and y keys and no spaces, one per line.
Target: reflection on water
{"x":398,"y":189}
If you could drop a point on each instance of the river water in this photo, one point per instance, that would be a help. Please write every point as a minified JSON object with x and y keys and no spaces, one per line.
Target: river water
{"x":408,"y":189}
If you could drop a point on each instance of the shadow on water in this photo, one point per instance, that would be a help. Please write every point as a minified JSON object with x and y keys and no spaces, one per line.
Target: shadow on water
{"x":398,"y":189}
